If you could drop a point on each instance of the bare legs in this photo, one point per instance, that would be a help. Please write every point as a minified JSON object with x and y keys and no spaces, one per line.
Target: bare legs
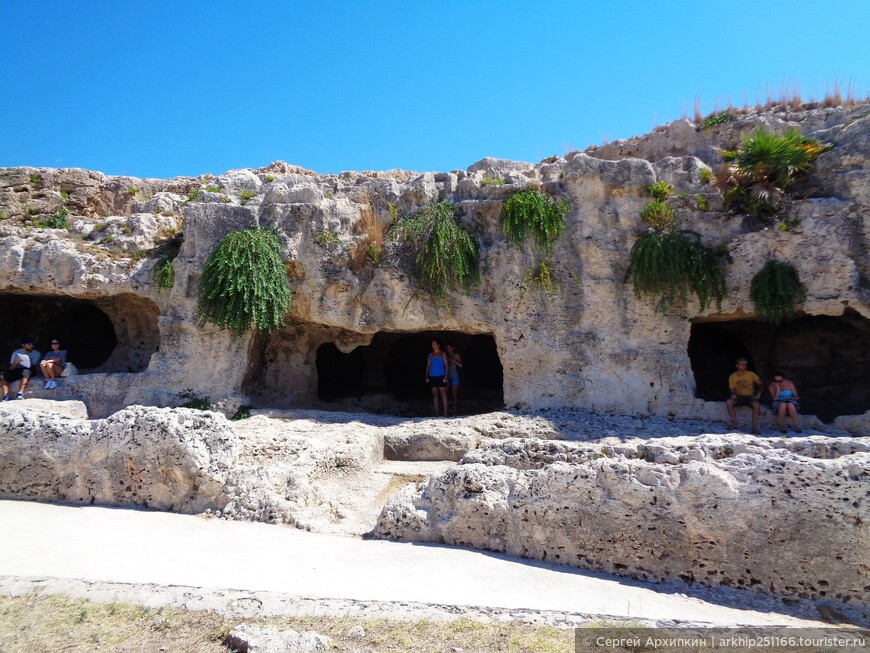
{"x":50,"y":370}
{"x":442,"y":393}
{"x":787,"y":408}
{"x":732,"y":413}
{"x":454,"y":392}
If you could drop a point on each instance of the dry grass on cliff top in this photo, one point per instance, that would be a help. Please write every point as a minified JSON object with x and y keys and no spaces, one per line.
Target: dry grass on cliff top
{"x":37,"y":624}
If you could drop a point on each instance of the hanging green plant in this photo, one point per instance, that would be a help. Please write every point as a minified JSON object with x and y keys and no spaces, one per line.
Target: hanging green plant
{"x":671,"y":265}
{"x":776,"y":291}
{"x":244,"y":283}
{"x":443,"y":254}
{"x":533,"y":212}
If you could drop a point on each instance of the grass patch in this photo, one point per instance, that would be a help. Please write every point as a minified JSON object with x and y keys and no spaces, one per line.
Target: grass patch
{"x":716,"y":119}
{"x":323,"y":237}
{"x":193,"y":400}
{"x":246,"y":196}
{"x":36,"y":624}
{"x":660,"y":190}
{"x":492,"y":181}
{"x":539,"y":277}
{"x":370,"y":247}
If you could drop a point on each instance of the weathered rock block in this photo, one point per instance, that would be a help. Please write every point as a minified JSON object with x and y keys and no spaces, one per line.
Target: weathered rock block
{"x":788,"y":517}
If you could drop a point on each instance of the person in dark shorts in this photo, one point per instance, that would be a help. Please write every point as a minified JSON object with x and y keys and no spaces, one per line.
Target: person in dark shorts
{"x":22,"y":365}
{"x":745,"y":390}
{"x":436,"y":376}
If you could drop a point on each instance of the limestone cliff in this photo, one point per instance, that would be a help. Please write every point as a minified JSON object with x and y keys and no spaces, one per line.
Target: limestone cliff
{"x":592,"y":344}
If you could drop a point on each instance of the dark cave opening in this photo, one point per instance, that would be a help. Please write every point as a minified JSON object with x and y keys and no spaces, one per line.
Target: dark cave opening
{"x":827,"y":357}
{"x":106,"y":334}
{"x":394,"y":365}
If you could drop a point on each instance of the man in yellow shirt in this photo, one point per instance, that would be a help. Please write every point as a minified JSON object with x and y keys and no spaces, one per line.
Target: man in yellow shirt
{"x":745,"y":388}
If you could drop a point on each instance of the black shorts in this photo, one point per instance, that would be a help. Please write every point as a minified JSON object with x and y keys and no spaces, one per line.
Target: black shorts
{"x":11,"y":376}
{"x":436,"y":382}
{"x":745,"y":401}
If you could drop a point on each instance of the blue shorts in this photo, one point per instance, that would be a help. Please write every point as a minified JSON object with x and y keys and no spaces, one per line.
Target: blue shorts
{"x":452,"y":380}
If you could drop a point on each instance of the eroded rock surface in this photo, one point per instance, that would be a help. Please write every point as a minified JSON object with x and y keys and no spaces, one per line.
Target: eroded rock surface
{"x":591,"y":344}
{"x":785,"y":516}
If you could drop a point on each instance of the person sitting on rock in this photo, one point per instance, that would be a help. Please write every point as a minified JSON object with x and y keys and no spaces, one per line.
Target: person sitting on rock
{"x":785,"y":401}
{"x":21,"y":365}
{"x":745,"y":388}
{"x":52,"y":365}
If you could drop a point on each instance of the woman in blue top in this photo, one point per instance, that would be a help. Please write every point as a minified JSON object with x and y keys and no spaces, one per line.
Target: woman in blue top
{"x":52,"y":365}
{"x":785,"y":401}
{"x":436,"y":376}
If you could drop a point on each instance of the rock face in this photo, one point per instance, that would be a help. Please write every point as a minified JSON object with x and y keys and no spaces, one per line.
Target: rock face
{"x":168,"y":460}
{"x":592,"y":344}
{"x":789,"y":517}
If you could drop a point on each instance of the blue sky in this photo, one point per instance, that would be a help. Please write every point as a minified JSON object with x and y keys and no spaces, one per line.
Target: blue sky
{"x":159,"y":88}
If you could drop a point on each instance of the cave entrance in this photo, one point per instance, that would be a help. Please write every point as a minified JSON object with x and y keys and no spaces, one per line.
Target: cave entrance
{"x":107,"y":334}
{"x":387,"y":376}
{"x":827,"y":357}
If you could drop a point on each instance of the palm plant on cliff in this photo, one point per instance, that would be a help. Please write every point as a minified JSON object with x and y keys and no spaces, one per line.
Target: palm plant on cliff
{"x":442,"y":253}
{"x":244,"y":283}
{"x":757,"y":173}
{"x":671,"y":264}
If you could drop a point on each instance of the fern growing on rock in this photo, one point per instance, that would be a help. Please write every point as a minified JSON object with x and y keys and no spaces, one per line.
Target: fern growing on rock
{"x":776,"y":291}
{"x":536,"y":213}
{"x":442,"y":252}
{"x":670,"y":265}
{"x":244,"y":283}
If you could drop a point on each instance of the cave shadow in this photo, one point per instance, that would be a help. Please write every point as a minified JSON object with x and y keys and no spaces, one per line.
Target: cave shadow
{"x":827,"y":357}
{"x":387,"y":376}
{"x":107,"y":334}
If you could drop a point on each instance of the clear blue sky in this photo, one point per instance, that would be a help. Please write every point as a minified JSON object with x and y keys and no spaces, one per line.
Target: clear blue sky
{"x":157,"y":88}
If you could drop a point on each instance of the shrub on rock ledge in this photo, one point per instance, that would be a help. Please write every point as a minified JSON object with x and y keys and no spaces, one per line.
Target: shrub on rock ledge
{"x":442,"y":252}
{"x":244,"y":283}
{"x":671,"y":265}
{"x":533,"y":212}
{"x":776,"y":291}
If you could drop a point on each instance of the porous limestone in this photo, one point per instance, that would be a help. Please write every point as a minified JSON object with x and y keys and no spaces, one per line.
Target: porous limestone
{"x":784,"y":516}
{"x":591,"y":345}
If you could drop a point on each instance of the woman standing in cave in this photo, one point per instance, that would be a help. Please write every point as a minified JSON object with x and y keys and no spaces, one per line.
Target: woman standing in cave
{"x":436,"y":376}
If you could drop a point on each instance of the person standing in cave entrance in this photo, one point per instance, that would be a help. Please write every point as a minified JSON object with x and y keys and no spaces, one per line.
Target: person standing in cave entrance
{"x":21,"y":365}
{"x":785,"y":401}
{"x":745,"y":390}
{"x":454,"y":362}
{"x":436,"y":376}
